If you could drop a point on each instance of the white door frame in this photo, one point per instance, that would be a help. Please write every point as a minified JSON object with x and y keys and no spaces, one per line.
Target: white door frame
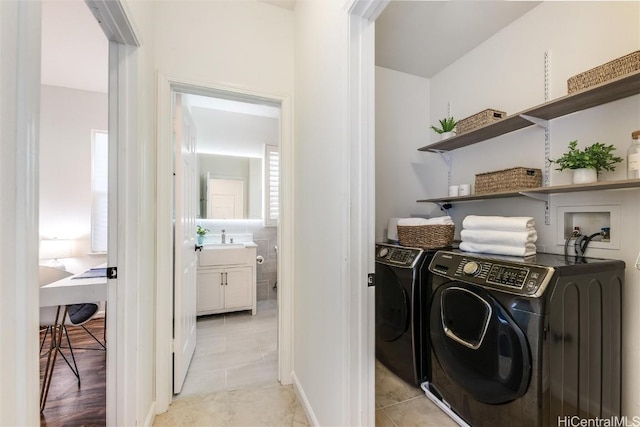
{"x":164,"y":241}
{"x":20,"y":45}
{"x":124,"y":188}
{"x":20,"y":24}
{"x":362,"y":15}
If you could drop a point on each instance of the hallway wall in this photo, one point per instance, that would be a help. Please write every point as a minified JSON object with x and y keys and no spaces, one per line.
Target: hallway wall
{"x":67,"y":117}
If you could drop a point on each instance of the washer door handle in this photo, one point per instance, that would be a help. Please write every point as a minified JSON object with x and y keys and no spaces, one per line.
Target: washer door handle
{"x":453,"y":335}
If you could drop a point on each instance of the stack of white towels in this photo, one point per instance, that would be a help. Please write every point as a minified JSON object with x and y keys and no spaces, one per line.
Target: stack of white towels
{"x":500,"y":235}
{"x":439,"y":220}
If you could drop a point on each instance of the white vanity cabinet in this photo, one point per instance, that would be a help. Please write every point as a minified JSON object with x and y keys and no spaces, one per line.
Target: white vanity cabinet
{"x":226,"y":279}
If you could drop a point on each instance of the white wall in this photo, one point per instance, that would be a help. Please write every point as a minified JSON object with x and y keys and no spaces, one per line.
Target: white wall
{"x":321,"y":211}
{"x":506,"y":73}
{"x":402,"y":117}
{"x":247,"y":44}
{"x":67,"y":117}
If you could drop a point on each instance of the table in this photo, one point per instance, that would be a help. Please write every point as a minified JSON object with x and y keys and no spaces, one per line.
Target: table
{"x":62,"y":293}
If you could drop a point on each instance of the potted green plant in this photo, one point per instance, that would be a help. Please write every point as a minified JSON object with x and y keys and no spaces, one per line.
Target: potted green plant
{"x":447,"y":127}
{"x":201,"y":232}
{"x":587,"y":163}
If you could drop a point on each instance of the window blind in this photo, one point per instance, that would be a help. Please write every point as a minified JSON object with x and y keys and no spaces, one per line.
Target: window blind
{"x":272,"y":199}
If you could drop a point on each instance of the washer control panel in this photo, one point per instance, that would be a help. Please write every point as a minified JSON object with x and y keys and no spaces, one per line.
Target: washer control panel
{"x":508,"y":276}
{"x":397,"y":256}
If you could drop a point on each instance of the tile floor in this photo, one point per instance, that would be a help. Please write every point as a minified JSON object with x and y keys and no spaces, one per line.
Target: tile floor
{"x":232,"y":378}
{"x":232,"y":381}
{"x":400,"y":405}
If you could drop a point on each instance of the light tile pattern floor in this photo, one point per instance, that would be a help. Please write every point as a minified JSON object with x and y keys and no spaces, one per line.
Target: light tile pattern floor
{"x":400,"y":405}
{"x":232,"y":381}
{"x":234,"y":350}
{"x":232,"y":378}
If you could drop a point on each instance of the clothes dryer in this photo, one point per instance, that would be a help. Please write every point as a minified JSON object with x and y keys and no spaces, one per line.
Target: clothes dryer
{"x":403,"y":290}
{"x":526,"y":342}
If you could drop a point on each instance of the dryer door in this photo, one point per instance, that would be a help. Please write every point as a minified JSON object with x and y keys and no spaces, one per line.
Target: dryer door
{"x":478,"y":345}
{"x":392,"y":304}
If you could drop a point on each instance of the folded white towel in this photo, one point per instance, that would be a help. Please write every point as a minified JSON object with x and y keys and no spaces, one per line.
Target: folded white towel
{"x":523,"y":251}
{"x":412,"y":221}
{"x":442,"y":220}
{"x":509,"y":238}
{"x":503,"y":223}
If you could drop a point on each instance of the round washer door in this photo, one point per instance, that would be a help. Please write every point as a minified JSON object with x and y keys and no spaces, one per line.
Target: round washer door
{"x":478,"y":345}
{"x":392,"y":305}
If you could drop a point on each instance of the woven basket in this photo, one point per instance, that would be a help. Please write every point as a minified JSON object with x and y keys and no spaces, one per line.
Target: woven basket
{"x":508,"y":180}
{"x":426,"y":236}
{"x":605,"y":72}
{"x":479,"y":120}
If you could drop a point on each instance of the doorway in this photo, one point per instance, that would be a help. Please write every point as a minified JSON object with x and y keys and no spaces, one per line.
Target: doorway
{"x":235,"y":143}
{"x":216,"y":111}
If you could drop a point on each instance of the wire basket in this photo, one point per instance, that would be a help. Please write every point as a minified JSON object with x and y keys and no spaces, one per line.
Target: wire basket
{"x":618,"y":67}
{"x":508,"y":180}
{"x":426,"y":236}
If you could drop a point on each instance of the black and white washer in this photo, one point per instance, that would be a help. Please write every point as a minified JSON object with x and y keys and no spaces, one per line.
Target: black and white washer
{"x":525,"y":343}
{"x":403,"y":290}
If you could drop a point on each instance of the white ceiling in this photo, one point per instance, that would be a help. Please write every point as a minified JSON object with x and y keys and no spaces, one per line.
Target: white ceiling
{"x":424,"y":37}
{"x":416,"y":37}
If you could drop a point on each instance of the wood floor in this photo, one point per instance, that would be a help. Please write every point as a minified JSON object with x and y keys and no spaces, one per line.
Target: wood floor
{"x":68,"y":404}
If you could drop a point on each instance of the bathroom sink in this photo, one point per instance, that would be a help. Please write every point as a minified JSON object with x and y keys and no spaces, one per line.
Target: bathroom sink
{"x":213,"y":254}
{"x":222,"y":245}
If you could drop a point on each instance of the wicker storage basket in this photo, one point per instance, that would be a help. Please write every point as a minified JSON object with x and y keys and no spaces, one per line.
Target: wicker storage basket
{"x":508,"y":180}
{"x":478,"y":120}
{"x":605,"y":72}
{"x":426,"y":236}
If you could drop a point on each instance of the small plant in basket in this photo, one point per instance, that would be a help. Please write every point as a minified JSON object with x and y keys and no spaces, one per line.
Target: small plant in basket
{"x":448,"y":124}
{"x":596,"y":158}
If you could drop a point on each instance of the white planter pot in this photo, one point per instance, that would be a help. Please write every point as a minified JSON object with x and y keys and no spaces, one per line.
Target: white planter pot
{"x":445,"y":135}
{"x":584,"y":176}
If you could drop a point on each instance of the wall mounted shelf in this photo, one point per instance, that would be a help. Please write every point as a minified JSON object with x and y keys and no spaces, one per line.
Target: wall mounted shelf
{"x":604,"y":93}
{"x":542,"y":192}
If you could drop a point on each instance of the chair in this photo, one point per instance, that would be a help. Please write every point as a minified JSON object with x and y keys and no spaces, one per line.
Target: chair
{"x":77,"y":315}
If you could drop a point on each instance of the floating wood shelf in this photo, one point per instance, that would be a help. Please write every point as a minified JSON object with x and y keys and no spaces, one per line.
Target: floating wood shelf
{"x":596,"y":186}
{"x":604,"y":93}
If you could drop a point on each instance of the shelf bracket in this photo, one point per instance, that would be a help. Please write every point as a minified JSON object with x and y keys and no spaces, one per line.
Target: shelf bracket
{"x":543,"y":198}
{"x":446,"y":156}
{"x":536,"y":121}
{"x":536,"y":196}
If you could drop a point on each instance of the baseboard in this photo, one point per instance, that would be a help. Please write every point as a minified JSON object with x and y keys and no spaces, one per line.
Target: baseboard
{"x":303,"y":399}
{"x":151,"y":415}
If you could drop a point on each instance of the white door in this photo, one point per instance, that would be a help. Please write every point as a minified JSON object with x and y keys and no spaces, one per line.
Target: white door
{"x":226,"y":198}
{"x":185,"y":291}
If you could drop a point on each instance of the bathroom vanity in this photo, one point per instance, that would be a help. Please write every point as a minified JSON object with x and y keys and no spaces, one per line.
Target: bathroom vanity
{"x":226,"y":278}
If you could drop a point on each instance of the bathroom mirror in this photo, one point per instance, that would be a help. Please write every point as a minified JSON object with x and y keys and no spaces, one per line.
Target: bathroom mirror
{"x":230,"y":187}
{"x":232,"y":141}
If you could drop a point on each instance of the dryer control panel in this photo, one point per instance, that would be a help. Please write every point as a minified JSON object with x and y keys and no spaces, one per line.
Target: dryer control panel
{"x":397,"y":256}
{"x":521,"y":278}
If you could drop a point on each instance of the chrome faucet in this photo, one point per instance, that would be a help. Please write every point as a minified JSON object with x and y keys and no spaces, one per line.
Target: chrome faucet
{"x":224,"y":237}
